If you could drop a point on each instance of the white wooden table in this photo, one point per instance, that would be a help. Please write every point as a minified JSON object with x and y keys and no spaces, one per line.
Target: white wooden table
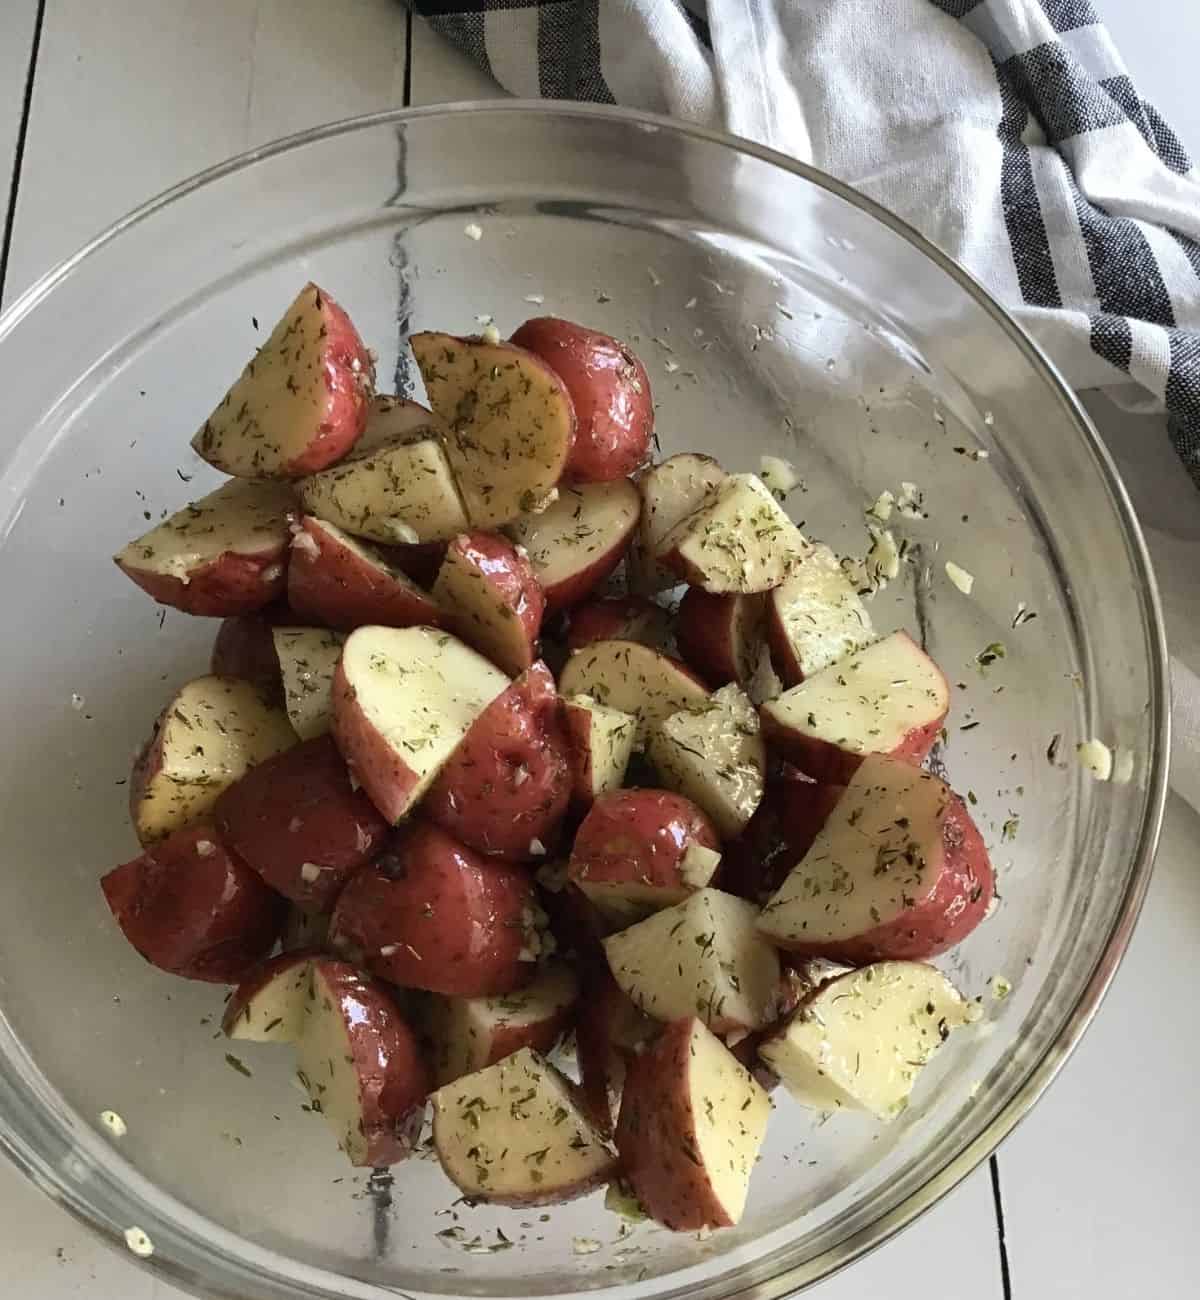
{"x":105,"y":102}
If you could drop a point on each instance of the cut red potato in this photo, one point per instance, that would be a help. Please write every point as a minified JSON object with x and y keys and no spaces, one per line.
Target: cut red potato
{"x":505,"y":788}
{"x":245,"y":647}
{"x":641,"y":850}
{"x":635,"y":679}
{"x":342,"y":583}
{"x":270,"y":1004}
{"x":302,"y":400}
{"x":670,"y":492}
{"x":899,"y":870}
{"x":308,"y":658}
{"x":362,"y":1066}
{"x":890,"y":698}
{"x":299,"y":823}
{"x":601,"y":744}
{"x":511,"y":422}
{"x":609,"y":1032}
{"x":815,"y":618}
{"x":610,"y":390}
{"x":780,"y":833}
{"x":619,"y":618}
{"x":192,"y":909}
{"x":434,"y":915}
{"x":514,"y":1134}
{"x":703,"y":957}
{"x":721,"y":637}
{"x":492,"y":599}
{"x":860,"y":1040}
{"x":692,"y":1122}
{"x":403,"y":699}
{"x":740,"y":541}
{"x":396,"y":485}
{"x":714,"y":755}
{"x":470,"y":1034}
{"x":226,"y":554}
{"x":577,"y":541}
{"x":210,"y":735}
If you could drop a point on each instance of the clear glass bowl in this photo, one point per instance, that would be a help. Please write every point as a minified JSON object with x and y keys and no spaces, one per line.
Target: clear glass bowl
{"x":778,"y":313}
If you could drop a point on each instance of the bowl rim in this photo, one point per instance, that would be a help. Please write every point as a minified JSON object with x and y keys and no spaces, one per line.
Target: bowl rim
{"x":1046,"y":1068}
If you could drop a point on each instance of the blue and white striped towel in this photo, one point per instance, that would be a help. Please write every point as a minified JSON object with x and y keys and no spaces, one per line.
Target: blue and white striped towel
{"x":1008,"y":131}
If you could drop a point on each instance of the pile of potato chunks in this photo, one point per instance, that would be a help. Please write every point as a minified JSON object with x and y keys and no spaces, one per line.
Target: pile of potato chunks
{"x":718,"y":870}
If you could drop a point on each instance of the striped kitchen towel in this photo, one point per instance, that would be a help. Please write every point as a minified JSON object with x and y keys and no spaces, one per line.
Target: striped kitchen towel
{"x":1008,"y":131}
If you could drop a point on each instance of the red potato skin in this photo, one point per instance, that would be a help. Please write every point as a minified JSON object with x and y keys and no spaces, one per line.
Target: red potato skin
{"x":779,"y":834}
{"x":831,"y":765}
{"x":295,"y":959}
{"x":638,"y":835}
{"x":382,"y":773}
{"x":200,"y":914}
{"x":614,"y":618}
{"x":228,"y":585}
{"x":435,"y":915}
{"x":297,"y":808}
{"x":479,"y":795}
{"x":709,"y":629}
{"x":245,"y":648}
{"x":655,"y":1132}
{"x":393,"y":1078}
{"x":578,"y":724}
{"x":513,"y":580}
{"x":330,"y":585}
{"x":349,"y":397}
{"x":610,"y":389}
{"x":944,"y":917}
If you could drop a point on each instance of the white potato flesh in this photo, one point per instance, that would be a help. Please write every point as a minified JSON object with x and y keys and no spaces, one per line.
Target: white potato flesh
{"x":819,"y":613}
{"x":470,"y":1033}
{"x":868,"y":702}
{"x":730,"y":1110}
{"x":274,"y":1012}
{"x":511,"y":422}
{"x":634,"y":678}
{"x":625,"y":902}
{"x":513,"y":1133}
{"x":239,"y":518}
{"x":880,"y":850}
{"x":670,"y":492}
{"x":398,"y":420}
{"x":702,"y":957}
{"x":582,"y":526}
{"x":862,"y":1039}
{"x":399,"y":491}
{"x":740,"y":541}
{"x":210,"y":735}
{"x":715,"y":756}
{"x":308,"y":657}
{"x":610,"y":736}
{"x":419,"y":690}
{"x":482,"y":610}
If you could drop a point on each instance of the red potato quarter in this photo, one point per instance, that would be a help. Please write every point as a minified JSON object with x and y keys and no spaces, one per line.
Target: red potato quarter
{"x":341,"y":583}
{"x":245,"y":647}
{"x":609,"y":387}
{"x":192,"y":909}
{"x":270,"y":1004}
{"x":492,"y":599}
{"x":301,"y":402}
{"x":225,"y":554}
{"x":721,"y":637}
{"x":434,"y":915}
{"x":670,"y":491}
{"x":899,"y":867}
{"x":505,"y":789}
{"x":300,"y":824}
{"x":620,"y":618}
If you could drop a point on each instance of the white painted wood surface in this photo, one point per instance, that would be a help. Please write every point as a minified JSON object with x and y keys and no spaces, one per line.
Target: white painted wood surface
{"x":1098,"y":1184}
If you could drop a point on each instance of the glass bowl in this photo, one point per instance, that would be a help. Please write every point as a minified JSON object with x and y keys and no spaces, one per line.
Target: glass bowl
{"x":777,"y":312}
